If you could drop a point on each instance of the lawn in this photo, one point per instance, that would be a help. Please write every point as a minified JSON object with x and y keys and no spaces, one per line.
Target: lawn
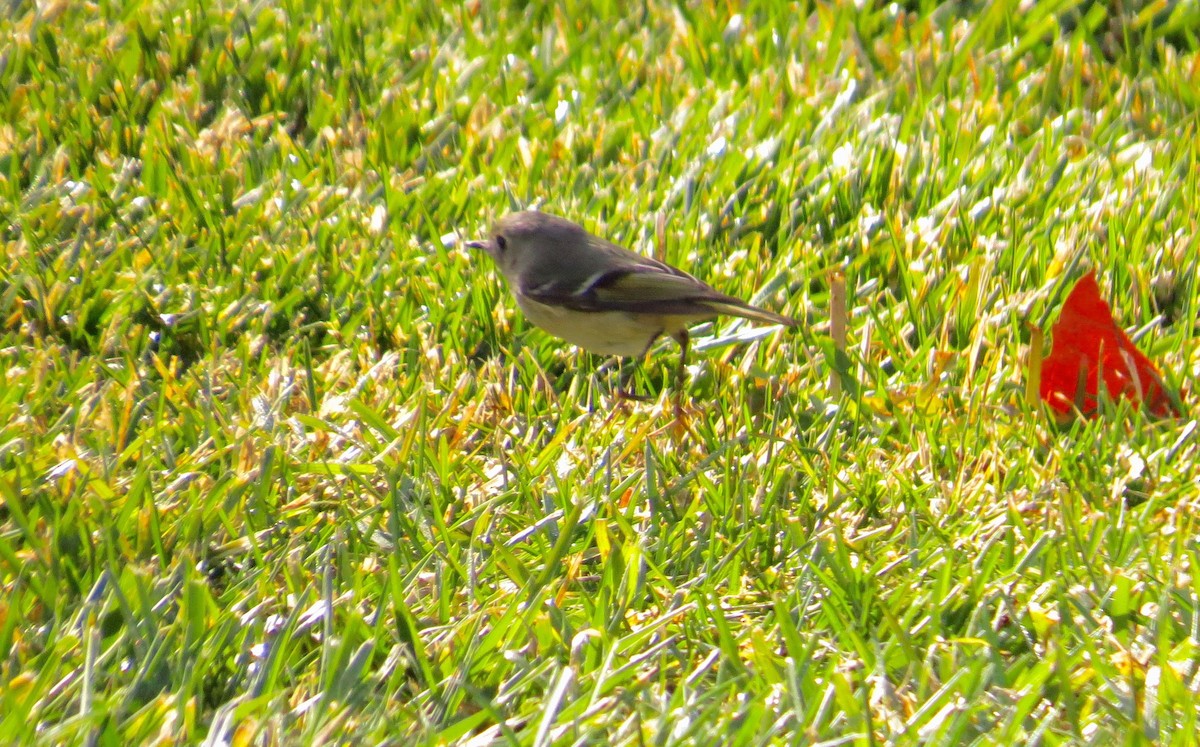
{"x":282,"y":463}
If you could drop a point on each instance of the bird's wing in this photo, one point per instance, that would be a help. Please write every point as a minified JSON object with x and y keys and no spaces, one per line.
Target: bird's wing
{"x":628,"y":281}
{"x":636,"y":287}
{"x":648,"y":288}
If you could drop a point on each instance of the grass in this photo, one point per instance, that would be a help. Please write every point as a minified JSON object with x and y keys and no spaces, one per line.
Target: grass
{"x":280,"y":462}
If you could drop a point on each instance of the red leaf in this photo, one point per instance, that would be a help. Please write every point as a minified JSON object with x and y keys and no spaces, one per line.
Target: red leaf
{"x":1087,"y":340}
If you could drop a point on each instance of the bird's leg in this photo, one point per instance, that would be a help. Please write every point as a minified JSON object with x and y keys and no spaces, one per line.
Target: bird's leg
{"x":622,"y":392}
{"x":625,"y":379}
{"x":683,"y":339}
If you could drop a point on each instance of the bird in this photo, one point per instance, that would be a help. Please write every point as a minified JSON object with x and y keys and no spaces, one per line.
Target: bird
{"x":602,"y":297}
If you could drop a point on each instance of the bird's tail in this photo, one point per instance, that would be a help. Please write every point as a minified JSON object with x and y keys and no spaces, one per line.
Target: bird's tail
{"x":753,"y":313}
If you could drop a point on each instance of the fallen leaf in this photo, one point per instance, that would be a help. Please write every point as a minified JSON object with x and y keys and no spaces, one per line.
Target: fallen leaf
{"x":1087,"y":343}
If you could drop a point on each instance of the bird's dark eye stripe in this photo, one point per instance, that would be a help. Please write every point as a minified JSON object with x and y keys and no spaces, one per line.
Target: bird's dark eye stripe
{"x":501,"y":242}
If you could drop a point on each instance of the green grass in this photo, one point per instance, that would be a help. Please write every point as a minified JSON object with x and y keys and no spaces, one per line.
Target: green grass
{"x":280,"y":462}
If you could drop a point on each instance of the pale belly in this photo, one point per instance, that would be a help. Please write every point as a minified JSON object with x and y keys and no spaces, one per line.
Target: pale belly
{"x":603,"y":332}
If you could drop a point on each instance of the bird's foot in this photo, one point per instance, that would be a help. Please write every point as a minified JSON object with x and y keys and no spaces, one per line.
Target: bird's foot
{"x":623,"y":394}
{"x":681,"y":423}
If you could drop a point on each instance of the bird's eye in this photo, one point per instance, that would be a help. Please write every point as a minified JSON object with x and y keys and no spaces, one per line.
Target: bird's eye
{"x":502,"y":243}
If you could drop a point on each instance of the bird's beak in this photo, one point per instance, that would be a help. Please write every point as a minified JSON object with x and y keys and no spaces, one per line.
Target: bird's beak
{"x":477,"y":244}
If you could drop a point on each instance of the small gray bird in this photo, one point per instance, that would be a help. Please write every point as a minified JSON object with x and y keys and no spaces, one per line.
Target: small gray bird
{"x":600,"y":296}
